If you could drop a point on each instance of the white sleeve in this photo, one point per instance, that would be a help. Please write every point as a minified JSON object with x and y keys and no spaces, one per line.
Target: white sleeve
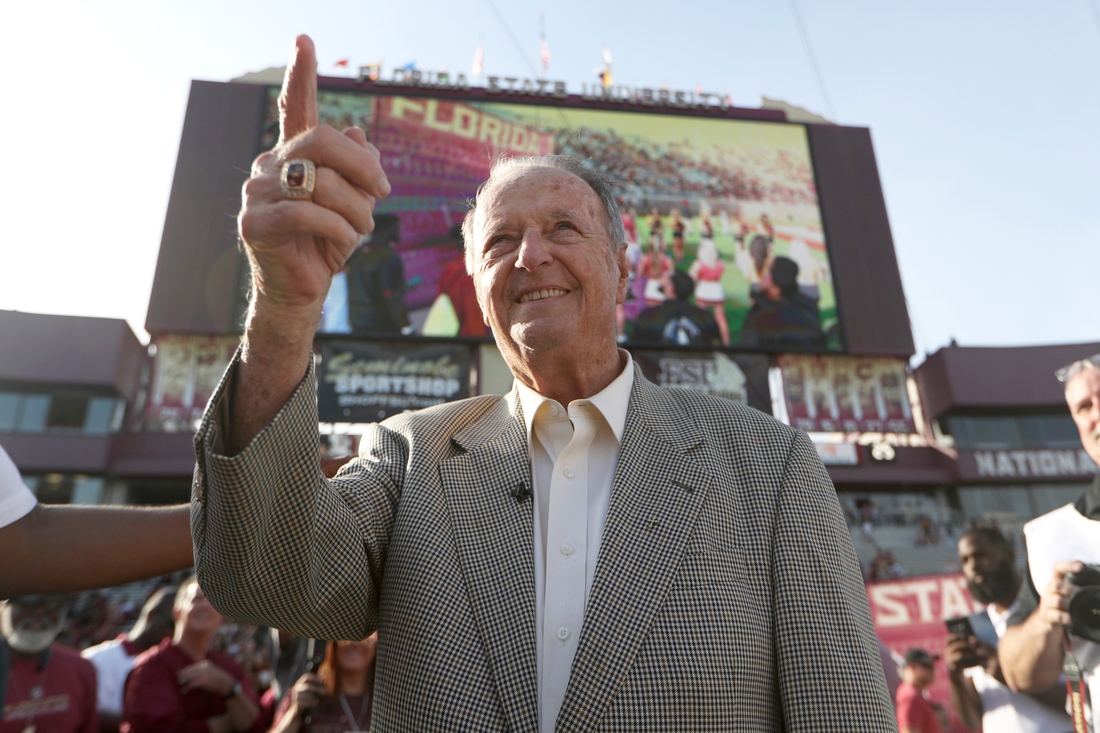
{"x":16,"y":500}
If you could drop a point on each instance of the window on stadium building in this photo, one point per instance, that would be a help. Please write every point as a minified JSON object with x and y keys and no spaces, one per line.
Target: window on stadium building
{"x":66,"y":488}
{"x":28,"y":412}
{"x":1008,"y":505}
{"x":1010,"y":432}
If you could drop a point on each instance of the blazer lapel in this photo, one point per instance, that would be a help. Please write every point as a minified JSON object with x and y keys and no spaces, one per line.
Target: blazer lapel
{"x":657,"y":492}
{"x":488,"y":492}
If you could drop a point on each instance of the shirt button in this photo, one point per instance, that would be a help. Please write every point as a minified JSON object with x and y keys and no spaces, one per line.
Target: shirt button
{"x":569,"y":473}
{"x":553,"y":410}
{"x":567,"y":549}
{"x":563,"y":633}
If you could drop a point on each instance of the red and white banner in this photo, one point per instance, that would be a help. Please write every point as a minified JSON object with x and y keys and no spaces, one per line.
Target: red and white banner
{"x":910,"y":613}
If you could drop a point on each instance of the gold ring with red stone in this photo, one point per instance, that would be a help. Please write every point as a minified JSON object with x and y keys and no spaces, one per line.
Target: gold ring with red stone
{"x":298,"y":178}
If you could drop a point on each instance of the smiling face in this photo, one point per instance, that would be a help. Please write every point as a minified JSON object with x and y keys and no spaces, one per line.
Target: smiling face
{"x":545,"y":272}
{"x":31,"y":623}
{"x":195,"y":614}
{"x":1083,"y":398}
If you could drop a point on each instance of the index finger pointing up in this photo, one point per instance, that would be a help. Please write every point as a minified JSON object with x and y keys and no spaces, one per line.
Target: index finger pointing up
{"x":298,"y":100}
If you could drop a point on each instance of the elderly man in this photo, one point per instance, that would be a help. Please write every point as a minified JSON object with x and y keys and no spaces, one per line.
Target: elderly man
{"x":51,"y":688}
{"x":1033,"y":650}
{"x":590,"y":552}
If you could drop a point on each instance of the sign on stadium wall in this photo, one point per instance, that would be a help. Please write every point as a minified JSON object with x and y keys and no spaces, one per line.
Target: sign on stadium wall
{"x":186,"y":371}
{"x":370,"y":381}
{"x":738,"y":377}
{"x":910,"y":613}
{"x":843,"y":394}
{"x":1068,"y":463}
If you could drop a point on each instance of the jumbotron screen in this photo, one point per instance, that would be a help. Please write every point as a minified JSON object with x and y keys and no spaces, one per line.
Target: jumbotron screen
{"x":724,"y":232}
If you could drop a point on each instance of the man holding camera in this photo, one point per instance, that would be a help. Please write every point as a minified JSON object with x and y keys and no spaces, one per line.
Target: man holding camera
{"x":1043,"y":638}
{"x":978,"y":692}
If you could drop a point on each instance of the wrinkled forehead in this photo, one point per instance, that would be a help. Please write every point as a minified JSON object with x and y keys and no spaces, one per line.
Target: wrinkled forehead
{"x":529,"y":193}
{"x":1083,"y":384}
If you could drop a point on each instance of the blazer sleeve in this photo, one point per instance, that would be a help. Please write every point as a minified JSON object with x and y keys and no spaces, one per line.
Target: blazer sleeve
{"x":829,"y":669}
{"x":277,"y":543}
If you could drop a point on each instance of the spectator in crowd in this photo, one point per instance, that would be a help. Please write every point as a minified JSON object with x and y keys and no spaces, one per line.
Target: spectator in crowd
{"x":455,"y":282}
{"x":66,"y":548}
{"x":884,"y":566}
{"x":676,"y":322}
{"x":336,"y":699}
{"x":787,"y":317}
{"x":444,"y":535}
{"x":376,"y":281}
{"x":978,"y":693}
{"x":183,"y":686}
{"x":927,"y":533}
{"x":1034,"y":646}
{"x":50,"y":689}
{"x":114,"y":659}
{"x":289,"y":655}
{"x":915,"y":713}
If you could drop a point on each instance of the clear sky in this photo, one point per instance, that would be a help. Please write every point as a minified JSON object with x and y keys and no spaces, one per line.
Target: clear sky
{"x":985,"y":117}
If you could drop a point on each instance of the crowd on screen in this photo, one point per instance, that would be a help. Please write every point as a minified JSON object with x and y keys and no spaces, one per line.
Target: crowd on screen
{"x":643,"y":168}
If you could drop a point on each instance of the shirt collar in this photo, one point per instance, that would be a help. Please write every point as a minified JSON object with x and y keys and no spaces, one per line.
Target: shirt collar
{"x":997,"y":616}
{"x":612,"y":401}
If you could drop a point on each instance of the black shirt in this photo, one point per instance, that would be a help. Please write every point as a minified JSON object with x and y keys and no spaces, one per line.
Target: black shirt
{"x":1027,"y":600}
{"x":675,"y":323}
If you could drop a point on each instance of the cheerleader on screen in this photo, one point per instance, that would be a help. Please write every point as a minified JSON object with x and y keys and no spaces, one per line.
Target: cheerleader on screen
{"x":707,"y":271}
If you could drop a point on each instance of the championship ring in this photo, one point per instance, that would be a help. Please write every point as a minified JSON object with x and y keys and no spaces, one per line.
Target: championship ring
{"x":298,"y":178}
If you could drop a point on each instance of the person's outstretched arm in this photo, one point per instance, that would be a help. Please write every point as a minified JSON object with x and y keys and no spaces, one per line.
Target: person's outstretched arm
{"x":69,"y":548}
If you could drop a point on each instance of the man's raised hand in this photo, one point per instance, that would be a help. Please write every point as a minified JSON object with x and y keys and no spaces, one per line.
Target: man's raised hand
{"x":297,"y":245}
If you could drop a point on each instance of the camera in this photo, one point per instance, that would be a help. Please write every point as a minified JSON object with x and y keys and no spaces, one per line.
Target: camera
{"x":1084,"y":605}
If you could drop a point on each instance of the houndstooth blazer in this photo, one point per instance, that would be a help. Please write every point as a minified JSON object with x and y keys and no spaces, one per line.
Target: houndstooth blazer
{"x":727,"y":596}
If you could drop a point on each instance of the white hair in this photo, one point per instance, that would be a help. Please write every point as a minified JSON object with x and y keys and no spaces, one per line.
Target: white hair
{"x":505,"y":168}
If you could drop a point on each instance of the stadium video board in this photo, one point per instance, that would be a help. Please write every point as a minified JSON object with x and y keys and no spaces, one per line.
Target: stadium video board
{"x":725,"y":235}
